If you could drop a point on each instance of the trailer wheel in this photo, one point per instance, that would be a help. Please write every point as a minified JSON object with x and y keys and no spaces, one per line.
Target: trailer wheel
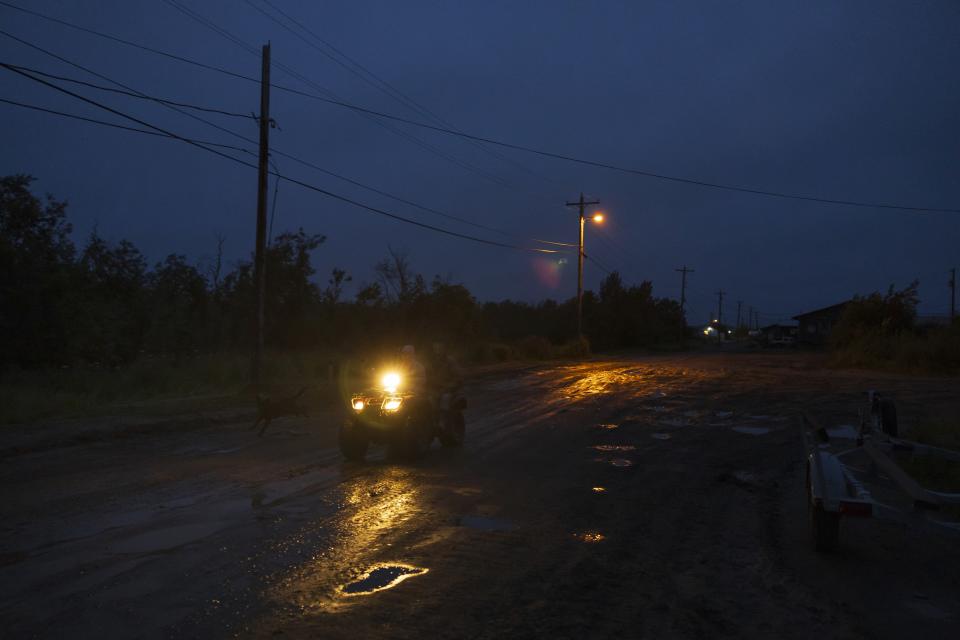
{"x":824,"y":528}
{"x":888,"y":418}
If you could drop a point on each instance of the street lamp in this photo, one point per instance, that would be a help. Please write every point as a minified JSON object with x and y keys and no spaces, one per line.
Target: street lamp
{"x":597,"y":217}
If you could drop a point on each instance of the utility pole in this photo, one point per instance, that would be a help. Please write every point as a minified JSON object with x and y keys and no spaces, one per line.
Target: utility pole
{"x":259,"y":269}
{"x":683,"y":295}
{"x":581,"y":203}
{"x":953,"y":293}
{"x":720,"y":316}
{"x":739,"y":304}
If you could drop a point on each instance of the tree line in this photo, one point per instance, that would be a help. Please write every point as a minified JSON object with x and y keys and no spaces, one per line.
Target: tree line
{"x":102,"y":303}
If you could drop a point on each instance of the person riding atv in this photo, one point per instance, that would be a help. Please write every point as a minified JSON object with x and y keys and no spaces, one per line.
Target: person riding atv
{"x":403,"y":412}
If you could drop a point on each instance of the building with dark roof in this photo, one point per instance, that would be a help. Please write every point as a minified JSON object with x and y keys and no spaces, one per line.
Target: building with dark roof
{"x":814,"y":327}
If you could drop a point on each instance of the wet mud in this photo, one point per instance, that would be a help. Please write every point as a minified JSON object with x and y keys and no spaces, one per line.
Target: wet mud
{"x":631,"y":497}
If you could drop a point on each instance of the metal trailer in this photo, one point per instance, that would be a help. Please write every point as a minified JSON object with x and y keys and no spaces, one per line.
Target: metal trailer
{"x":836,"y":489}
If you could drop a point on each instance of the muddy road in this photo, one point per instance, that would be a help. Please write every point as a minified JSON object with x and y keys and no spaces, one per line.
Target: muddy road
{"x":639,"y":497}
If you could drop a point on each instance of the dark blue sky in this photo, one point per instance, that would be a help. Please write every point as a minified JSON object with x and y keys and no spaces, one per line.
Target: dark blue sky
{"x":850,"y":100}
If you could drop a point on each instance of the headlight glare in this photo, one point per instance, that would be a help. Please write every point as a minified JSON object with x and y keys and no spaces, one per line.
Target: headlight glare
{"x":392,"y":404}
{"x":390,"y":382}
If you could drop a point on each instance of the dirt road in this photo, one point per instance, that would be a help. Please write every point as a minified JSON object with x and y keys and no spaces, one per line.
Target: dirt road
{"x":635,"y":497}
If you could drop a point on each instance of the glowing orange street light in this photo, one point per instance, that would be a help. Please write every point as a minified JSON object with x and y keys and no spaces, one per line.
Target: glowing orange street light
{"x":598,"y":217}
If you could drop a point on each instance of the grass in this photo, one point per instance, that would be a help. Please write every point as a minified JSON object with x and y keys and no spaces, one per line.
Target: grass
{"x":934,"y":472}
{"x":935,"y":352}
{"x":89,"y":390}
{"x":202,"y":380}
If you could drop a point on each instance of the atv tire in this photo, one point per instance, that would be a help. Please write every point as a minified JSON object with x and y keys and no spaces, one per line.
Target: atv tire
{"x":353,"y":443}
{"x":411,"y":443}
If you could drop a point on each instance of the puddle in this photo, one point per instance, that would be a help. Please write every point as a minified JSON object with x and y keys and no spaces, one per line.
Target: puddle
{"x":486,"y":524}
{"x":722,"y":415}
{"x":608,"y":426}
{"x":660,"y":436}
{"x":599,"y":489}
{"x":614,"y":447}
{"x":589,"y":536}
{"x":381,"y":577}
{"x":753,"y":431}
{"x":844,"y":431}
{"x":621,"y":462}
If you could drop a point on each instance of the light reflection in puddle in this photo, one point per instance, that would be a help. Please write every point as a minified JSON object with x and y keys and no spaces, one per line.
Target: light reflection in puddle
{"x":589,"y":536}
{"x":599,"y":489}
{"x":621,"y":462}
{"x":614,"y":447}
{"x":381,"y":577}
{"x":607,"y":426}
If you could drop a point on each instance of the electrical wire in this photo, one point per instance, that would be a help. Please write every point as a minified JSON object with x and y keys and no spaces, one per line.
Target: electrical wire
{"x":118,"y":83}
{"x":306,"y":185}
{"x":119,"y":126}
{"x":508,"y":145}
{"x":206,"y":22}
{"x":376,"y":81}
{"x":138,"y":95}
{"x":132,"y":92}
{"x":598,"y":263}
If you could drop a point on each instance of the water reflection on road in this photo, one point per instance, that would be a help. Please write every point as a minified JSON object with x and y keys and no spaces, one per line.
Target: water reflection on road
{"x":374,"y":506}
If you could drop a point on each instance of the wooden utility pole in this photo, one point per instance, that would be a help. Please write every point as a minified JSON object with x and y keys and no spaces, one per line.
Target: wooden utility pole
{"x":581,"y":203}
{"x":720,"y":316}
{"x":683,"y":290}
{"x":259,"y":265}
{"x":739,"y":305}
{"x":953,"y":293}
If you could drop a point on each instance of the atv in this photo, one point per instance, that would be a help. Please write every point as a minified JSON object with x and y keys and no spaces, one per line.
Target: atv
{"x":404,"y":421}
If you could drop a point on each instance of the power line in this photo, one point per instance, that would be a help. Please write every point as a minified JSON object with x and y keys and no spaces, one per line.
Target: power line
{"x":373,"y":79}
{"x":598,"y":263}
{"x":508,"y":145}
{"x":138,"y":95}
{"x":206,"y":22}
{"x":120,"y":84}
{"x":117,"y":126}
{"x":279,"y":175}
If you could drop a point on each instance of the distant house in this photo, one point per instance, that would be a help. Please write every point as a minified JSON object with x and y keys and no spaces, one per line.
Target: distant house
{"x":778,"y":335}
{"x":815,"y":326}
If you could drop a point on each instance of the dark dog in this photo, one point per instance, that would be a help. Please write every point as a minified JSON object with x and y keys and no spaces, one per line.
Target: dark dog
{"x":268,"y":409}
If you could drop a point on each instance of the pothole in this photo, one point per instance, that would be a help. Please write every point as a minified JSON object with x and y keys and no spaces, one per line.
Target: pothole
{"x":621,"y":462}
{"x":614,"y":447}
{"x":381,"y":577}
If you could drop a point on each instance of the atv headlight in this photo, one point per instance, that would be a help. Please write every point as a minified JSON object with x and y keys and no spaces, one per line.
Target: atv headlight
{"x":358,"y":404}
{"x":390,"y":382}
{"x":392,"y":404}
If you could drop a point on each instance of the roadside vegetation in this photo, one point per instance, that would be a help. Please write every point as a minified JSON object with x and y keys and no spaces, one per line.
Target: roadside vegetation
{"x":879,"y":331}
{"x":95,"y":324}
